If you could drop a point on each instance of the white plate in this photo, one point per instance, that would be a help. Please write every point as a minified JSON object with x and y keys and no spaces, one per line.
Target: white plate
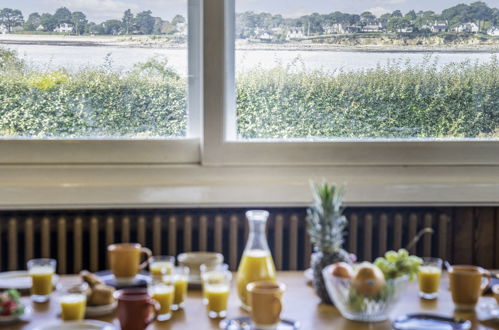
{"x":95,"y":311}
{"x":13,"y":319}
{"x":19,"y":280}
{"x":77,"y":325}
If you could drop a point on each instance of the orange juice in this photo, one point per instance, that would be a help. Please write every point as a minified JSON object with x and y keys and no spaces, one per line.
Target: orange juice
{"x":73,"y":307}
{"x":256,"y":265}
{"x":180,"y":283}
{"x":41,"y":277}
{"x":164,"y":296}
{"x":213,"y":277}
{"x":429,"y":279}
{"x":217,"y":296}
{"x":158,"y":268}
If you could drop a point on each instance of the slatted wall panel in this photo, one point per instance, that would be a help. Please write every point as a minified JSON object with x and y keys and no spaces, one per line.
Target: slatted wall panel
{"x":78,"y":239}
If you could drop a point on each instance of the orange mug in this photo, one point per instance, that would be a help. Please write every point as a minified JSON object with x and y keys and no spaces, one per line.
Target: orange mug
{"x":467,"y":284}
{"x":134,"y":309}
{"x":265,"y":302}
{"x":124,"y":260}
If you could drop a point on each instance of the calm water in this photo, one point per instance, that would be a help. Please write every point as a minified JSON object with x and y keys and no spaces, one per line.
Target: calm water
{"x":48,"y":57}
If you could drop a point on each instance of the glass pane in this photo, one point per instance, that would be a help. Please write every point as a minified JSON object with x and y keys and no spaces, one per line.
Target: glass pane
{"x":92,"y":69}
{"x":367,"y":69}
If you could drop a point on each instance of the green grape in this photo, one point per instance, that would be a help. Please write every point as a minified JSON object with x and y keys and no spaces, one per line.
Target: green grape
{"x":403,"y":253}
{"x":391,"y":256}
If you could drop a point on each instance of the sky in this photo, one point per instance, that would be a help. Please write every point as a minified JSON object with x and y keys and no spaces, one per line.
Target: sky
{"x":100,"y":10}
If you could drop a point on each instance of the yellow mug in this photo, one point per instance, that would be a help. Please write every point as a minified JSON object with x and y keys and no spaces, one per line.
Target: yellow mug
{"x":467,"y":284}
{"x":265,"y":302}
{"x":124,"y":260}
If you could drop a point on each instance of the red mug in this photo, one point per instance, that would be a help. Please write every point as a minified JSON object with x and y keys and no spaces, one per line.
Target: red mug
{"x":134,"y":309}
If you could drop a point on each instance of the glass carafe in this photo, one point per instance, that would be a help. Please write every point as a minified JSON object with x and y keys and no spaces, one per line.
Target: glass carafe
{"x":256,"y":262}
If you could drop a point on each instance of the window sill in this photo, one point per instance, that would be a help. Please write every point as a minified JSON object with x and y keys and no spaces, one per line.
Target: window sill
{"x":152,"y":186}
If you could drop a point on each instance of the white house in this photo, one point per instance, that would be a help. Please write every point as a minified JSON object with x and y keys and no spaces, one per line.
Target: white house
{"x":64,"y":28}
{"x":336,"y":28}
{"x":373,"y":27}
{"x":493,"y":31}
{"x":467,"y":28}
{"x":3,"y":29}
{"x":441,"y":26}
{"x":295,"y":33}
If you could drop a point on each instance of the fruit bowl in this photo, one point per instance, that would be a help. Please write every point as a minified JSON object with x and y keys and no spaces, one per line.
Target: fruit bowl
{"x":358,"y":301}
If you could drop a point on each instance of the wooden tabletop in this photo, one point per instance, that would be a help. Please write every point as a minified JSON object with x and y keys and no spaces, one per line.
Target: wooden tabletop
{"x":300,"y":304}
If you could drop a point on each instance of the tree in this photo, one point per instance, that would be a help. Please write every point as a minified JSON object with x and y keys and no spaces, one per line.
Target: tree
{"x":62,"y":15}
{"x":127,"y":21}
{"x":411,"y":16}
{"x":112,"y":26}
{"x":145,"y":22}
{"x":480,"y":13}
{"x":367,"y":16}
{"x":10,"y":18}
{"x":79,"y":21}
{"x":178,"y":19}
{"x":48,"y":22}
{"x":397,"y":13}
{"x":158,"y":24}
{"x":33,"y":22}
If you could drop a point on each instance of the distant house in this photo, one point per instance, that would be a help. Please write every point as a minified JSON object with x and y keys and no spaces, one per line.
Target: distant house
{"x":336,"y":28}
{"x":64,"y":28}
{"x":467,"y":28}
{"x":493,"y":31}
{"x":3,"y":29}
{"x":295,"y":33}
{"x":372,"y":27}
{"x":353,"y":29}
{"x":440,"y":26}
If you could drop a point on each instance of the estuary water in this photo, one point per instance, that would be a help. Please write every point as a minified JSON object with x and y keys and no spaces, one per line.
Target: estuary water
{"x":50,"y":57}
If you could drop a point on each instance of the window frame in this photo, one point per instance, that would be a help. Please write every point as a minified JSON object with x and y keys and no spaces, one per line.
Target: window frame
{"x":222,"y":147}
{"x":170,"y":150}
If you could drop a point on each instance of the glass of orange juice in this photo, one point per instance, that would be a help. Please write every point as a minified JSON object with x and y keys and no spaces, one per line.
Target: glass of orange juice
{"x":163,"y":292}
{"x":429,"y":277}
{"x":217,"y":294}
{"x":161,"y":265}
{"x":41,"y":272}
{"x":180,"y":281}
{"x":212,"y":271}
{"x":73,"y":299}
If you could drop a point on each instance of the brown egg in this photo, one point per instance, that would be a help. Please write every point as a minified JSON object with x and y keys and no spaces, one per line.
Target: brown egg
{"x":369,"y":279}
{"x":342,"y":269}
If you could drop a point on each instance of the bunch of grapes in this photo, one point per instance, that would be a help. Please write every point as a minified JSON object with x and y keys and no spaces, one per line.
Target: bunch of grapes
{"x":396,"y":264}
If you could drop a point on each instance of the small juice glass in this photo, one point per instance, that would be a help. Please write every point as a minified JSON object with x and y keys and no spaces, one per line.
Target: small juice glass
{"x":217,"y":293}
{"x":214,"y":272}
{"x":73,"y":299}
{"x":41,"y":272}
{"x":180,"y":281}
{"x":161,"y":265}
{"x":163,"y":292}
{"x":429,"y":277}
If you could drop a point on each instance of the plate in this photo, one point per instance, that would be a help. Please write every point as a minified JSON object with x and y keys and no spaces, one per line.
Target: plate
{"x":20,"y":318}
{"x":245,"y":323}
{"x":140,"y":281}
{"x":77,"y":325}
{"x":429,"y":321}
{"x":19,"y":280}
{"x":95,"y":311}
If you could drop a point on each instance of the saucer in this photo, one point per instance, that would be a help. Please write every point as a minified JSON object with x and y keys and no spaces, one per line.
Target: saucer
{"x":140,"y":281}
{"x":245,"y":323}
{"x":102,"y":310}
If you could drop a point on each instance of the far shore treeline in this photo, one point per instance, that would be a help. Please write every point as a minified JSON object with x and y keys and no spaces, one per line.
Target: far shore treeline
{"x":476,"y":17}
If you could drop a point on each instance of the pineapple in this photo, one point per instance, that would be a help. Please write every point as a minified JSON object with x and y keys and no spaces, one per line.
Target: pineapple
{"x":326,"y":227}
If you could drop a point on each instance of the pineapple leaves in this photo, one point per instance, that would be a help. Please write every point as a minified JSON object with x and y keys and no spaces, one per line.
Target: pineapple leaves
{"x":325,"y":220}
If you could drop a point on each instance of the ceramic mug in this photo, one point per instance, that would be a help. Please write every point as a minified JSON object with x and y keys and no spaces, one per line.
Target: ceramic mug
{"x":467,"y":284}
{"x":134,"y":309}
{"x":265,"y":302}
{"x":124,"y":260}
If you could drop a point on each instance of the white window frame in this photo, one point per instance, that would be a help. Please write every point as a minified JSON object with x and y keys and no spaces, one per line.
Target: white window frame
{"x":222,"y":148}
{"x":183,"y":150}
{"x":210,"y":168}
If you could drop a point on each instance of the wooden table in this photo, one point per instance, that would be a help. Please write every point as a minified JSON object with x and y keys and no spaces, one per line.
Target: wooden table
{"x":300,"y":303}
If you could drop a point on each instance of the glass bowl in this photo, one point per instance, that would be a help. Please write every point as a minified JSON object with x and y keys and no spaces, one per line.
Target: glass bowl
{"x":355,"y":305}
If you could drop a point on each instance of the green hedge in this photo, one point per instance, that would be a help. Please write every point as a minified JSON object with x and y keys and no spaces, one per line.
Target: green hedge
{"x":393,"y":101}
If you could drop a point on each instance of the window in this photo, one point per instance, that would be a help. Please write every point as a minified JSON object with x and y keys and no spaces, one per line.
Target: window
{"x":364,"y":70}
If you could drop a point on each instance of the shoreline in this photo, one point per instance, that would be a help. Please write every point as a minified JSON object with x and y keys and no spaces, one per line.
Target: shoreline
{"x":159,"y":43}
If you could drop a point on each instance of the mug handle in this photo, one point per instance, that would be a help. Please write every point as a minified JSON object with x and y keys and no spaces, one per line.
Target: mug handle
{"x":488,"y":281}
{"x":148,"y":254}
{"x":277,"y":307}
{"x":156,"y":308}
